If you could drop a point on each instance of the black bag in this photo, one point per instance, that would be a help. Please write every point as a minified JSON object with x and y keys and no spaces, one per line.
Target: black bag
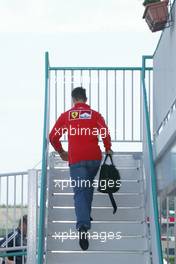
{"x":109,"y":180}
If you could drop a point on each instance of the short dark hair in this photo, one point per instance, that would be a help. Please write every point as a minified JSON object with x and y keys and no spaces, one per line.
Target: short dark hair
{"x":79,"y":93}
{"x":23,"y":220}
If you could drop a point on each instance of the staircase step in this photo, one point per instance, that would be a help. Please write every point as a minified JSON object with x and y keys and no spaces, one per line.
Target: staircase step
{"x":101,"y":194}
{"x":132,"y":214}
{"x":125,"y":173}
{"x":121,"y":160}
{"x":101,"y":222}
{"x":103,"y":257}
{"x":122,"y":201}
{"x":126,"y":228}
{"x":102,"y":243}
{"x":126,"y":186}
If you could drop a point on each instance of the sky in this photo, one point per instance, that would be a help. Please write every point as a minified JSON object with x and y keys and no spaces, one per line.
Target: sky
{"x":76,"y":33}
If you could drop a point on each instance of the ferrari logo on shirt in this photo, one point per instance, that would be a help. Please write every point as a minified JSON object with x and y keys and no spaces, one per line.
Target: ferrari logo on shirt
{"x":74,"y":115}
{"x":80,"y":114}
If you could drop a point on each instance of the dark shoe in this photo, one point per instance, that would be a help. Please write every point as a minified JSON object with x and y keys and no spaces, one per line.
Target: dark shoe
{"x":83,"y":238}
{"x":91,"y":219}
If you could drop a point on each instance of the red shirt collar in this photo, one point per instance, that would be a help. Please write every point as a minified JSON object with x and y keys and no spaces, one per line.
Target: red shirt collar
{"x":81,"y":105}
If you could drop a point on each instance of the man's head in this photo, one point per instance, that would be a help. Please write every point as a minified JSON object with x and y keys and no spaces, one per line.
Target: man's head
{"x":23,"y":225}
{"x":79,"y":95}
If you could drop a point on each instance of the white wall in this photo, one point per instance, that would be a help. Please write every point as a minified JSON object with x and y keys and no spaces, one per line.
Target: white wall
{"x":165,"y":72}
{"x":164,"y":95}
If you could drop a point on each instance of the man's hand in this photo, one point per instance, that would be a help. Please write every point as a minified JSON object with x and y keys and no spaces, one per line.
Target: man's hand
{"x":9,"y":261}
{"x":109,"y":152}
{"x":64,"y":155}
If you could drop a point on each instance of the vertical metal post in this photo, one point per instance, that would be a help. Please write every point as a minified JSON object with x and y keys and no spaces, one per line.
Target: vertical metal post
{"x":107,"y":112}
{"x":158,"y":255}
{"x":7,"y":208}
{"x":115,"y":104}
{"x":81,"y":78}
{"x":72,"y":79}
{"x":149,"y":94}
{"x":167,"y":227}
{"x":0,"y":192}
{"x":132,"y":104}
{"x":160,"y":212}
{"x":141,"y":110}
{"x":14,"y":213}
{"x":41,"y":230}
{"x":160,"y":208}
{"x":98,"y":90}
{"x":175,"y":230}
{"x":0,"y":195}
{"x":55,"y":96}
{"x":90,"y":83}
{"x":32,"y":216}
{"x":22,"y":212}
{"x":123,"y":105}
{"x":22,"y":203}
{"x":64,"y":91}
{"x":72,"y":83}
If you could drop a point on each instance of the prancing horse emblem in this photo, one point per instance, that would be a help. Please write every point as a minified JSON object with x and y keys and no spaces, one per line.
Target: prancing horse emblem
{"x":74,"y":115}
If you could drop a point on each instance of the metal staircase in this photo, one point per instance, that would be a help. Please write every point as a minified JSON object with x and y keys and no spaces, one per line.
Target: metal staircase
{"x":126,"y":102}
{"x":127,"y":229}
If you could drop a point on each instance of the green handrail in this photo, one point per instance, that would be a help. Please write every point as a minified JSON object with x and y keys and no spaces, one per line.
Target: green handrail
{"x":41,"y":233}
{"x":151,"y":160}
{"x":98,"y":68}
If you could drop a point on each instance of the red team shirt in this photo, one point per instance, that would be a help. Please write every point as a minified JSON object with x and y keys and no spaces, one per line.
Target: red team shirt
{"x":83,"y":126}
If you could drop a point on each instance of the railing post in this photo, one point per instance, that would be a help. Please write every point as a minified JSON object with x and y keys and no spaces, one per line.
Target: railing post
{"x":41,"y":230}
{"x":32,"y":216}
{"x":154,"y":220}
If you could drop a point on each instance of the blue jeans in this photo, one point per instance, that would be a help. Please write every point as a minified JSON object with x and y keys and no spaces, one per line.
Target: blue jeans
{"x":82,"y":177}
